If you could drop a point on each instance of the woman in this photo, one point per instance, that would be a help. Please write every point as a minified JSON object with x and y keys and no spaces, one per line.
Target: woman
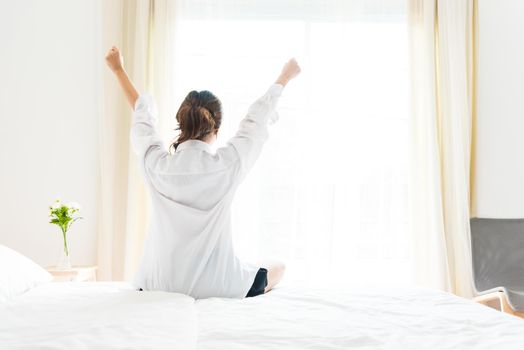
{"x":189,"y":246}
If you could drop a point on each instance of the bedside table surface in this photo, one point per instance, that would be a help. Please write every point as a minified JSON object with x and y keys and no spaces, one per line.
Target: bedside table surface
{"x":74,"y":274}
{"x":73,"y":268}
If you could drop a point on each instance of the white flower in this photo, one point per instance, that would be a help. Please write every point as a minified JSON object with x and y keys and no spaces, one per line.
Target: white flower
{"x":73,"y":205}
{"x":57,"y":205}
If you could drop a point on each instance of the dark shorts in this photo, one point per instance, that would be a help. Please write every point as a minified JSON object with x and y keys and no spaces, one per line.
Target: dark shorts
{"x":259,"y":284}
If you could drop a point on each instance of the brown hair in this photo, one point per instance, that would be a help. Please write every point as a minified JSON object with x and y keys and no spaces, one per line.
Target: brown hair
{"x":199,"y":115}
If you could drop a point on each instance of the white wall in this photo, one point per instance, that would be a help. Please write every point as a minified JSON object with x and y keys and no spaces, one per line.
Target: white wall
{"x":49,"y":109}
{"x":500,"y":152}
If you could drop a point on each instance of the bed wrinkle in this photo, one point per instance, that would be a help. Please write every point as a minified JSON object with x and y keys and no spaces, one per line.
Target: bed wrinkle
{"x":361,"y":318}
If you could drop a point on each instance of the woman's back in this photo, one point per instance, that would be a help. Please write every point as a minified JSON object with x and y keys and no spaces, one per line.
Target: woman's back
{"x":195,"y":176}
{"x":189,"y":246}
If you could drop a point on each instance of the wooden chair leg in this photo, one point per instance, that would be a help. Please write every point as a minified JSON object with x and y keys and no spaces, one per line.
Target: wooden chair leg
{"x":499,"y":301}
{"x":519,"y":314}
{"x":504,"y":304}
{"x":508,"y":309}
{"x":492,"y":300}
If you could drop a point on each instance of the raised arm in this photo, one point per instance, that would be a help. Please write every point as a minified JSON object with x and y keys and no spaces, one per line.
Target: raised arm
{"x":116,"y":63}
{"x":253,"y":130}
{"x":143,"y":134}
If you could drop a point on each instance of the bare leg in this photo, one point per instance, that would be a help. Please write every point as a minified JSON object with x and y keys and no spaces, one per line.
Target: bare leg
{"x":275,"y":271}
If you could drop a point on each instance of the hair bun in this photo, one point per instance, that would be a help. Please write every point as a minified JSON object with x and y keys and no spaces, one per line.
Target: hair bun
{"x":199,"y":115}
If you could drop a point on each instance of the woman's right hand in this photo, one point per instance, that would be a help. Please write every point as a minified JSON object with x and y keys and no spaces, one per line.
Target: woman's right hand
{"x":291,"y":70}
{"x":114,"y":60}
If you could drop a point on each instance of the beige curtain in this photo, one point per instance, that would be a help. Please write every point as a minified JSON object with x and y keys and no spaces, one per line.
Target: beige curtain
{"x":442,"y":52}
{"x":145,"y":32}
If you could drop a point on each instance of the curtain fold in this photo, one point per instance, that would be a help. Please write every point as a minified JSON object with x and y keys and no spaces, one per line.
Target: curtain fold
{"x":442,"y":69}
{"x":146,"y":43}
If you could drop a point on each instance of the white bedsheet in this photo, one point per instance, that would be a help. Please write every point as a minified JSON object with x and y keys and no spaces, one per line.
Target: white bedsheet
{"x":97,"y":316}
{"x":114,"y":316}
{"x":291,"y":318}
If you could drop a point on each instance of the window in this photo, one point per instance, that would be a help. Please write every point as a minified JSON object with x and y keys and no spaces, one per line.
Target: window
{"x":329,"y":193}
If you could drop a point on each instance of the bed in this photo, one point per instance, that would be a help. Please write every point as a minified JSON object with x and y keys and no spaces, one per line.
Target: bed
{"x":111,"y":315}
{"x":97,"y":315}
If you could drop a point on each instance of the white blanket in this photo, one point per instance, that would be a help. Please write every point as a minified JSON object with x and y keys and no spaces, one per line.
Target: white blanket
{"x":114,"y":316}
{"x":292,"y":318}
{"x":97,"y":316}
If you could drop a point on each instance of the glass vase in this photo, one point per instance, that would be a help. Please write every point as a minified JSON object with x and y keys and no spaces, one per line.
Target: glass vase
{"x":65,"y":262}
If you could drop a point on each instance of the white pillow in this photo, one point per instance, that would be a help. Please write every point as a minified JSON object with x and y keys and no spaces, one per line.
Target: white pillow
{"x":18,"y":274}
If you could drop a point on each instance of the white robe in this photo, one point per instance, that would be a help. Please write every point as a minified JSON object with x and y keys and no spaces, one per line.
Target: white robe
{"x":189,"y":246}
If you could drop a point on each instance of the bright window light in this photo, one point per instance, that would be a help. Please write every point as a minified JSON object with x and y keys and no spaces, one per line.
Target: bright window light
{"x":329,"y":194}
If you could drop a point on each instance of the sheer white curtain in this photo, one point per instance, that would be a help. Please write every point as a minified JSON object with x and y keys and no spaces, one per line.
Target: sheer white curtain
{"x":329,"y":194}
{"x":442,"y":43}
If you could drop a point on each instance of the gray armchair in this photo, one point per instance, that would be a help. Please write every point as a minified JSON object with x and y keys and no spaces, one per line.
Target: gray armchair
{"x":497,"y":248}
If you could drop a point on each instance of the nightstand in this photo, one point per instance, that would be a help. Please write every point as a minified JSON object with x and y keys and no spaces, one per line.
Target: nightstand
{"x":74,"y":274}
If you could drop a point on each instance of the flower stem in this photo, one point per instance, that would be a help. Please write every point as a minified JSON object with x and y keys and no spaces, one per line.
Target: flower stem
{"x":64,"y":233}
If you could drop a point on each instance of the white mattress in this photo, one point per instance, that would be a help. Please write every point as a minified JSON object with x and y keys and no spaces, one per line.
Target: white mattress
{"x":113,"y":315}
{"x":292,"y":318}
{"x":100,"y":315}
